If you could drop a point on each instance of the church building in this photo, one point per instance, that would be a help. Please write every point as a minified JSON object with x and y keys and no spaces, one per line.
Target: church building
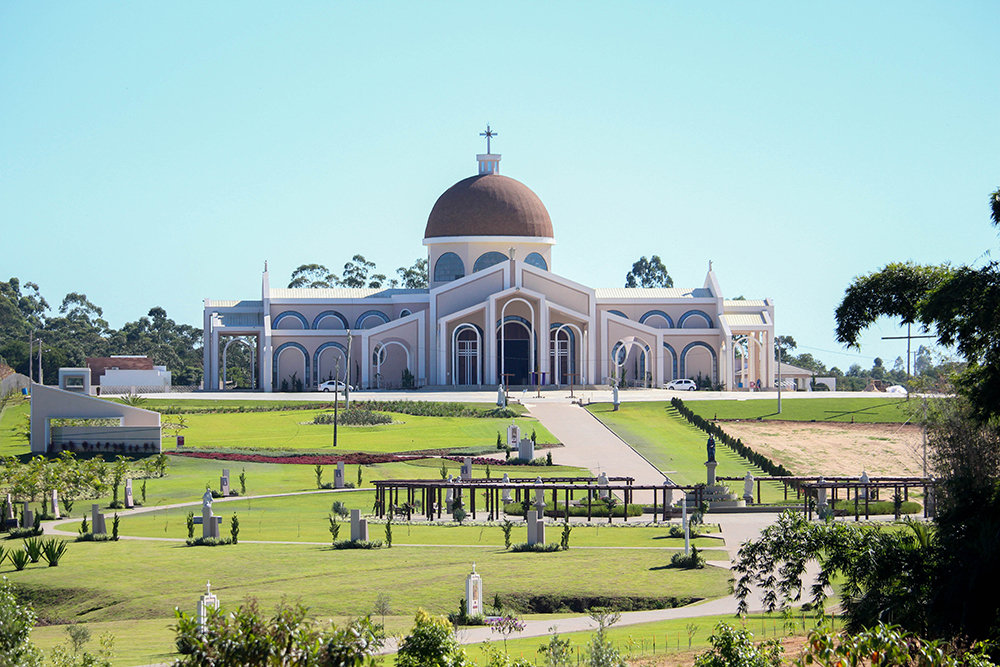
{"x":495,"y":312}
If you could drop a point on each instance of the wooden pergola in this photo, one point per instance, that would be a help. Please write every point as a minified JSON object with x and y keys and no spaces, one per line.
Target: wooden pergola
{"x":400,"y":497}
{"x":897,"y":484}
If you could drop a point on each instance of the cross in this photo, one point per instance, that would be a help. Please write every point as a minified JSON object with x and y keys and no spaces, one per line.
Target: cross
{"x":488,"y":134}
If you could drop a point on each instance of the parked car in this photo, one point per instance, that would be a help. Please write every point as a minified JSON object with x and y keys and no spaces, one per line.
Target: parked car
{"x":334,"y":385}
{"x":682,"y":385}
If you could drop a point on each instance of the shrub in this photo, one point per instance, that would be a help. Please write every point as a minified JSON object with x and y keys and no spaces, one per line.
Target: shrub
{"x":354,"y":416}
{"x":90,"y":537}
{"x":694,"y":561}
{"x":388,"y":533}
{"x":732,"y":647}
{"x":340,"y":509}
{"x":19,"y":559}
{"x":114,"y":527}
{"x":538,"y":547}
{"x":189,"y":520}
{"x":18,"y":533}
{"x":234,"y":528}
{"x":678,"y":531}
{"x":209,"y":541}
{"x":53,"y":550}
{"x":507,"y":526}
{"x":564,"y":538}
{"x":33,"y":547}
{"x":334,"y":528}
{"x":357,"y":544}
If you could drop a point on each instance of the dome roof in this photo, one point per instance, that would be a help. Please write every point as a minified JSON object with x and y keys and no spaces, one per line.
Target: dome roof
{"x":488,"y":205}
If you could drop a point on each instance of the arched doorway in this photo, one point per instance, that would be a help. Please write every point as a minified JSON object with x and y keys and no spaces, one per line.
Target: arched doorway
{"x":466,"y":355}
{"x":514,"y":342}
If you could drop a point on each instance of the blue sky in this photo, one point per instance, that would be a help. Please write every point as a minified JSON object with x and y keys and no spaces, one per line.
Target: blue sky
{"x":155,"y":154}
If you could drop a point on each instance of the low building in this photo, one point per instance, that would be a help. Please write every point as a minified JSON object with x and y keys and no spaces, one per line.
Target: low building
{"x":128,"y":374}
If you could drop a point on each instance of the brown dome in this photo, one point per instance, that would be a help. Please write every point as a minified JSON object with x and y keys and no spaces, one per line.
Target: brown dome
{"x":488,"y":205}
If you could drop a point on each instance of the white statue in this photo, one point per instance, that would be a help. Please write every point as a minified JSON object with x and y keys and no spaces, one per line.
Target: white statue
{"x":748,"y":485}
{"x":206,"y":500}
{"x":864,"y":480}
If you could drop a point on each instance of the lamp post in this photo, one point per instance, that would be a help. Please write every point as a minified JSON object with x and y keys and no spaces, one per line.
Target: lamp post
{"x":347,"y":385}
{"x":778,"y":345}
{"x":336,"y":400}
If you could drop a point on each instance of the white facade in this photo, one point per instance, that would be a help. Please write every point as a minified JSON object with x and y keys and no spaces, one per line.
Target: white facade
{"x":495,"y":312}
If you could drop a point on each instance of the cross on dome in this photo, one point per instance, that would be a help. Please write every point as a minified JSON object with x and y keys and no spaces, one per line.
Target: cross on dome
{"x":488,"y":134}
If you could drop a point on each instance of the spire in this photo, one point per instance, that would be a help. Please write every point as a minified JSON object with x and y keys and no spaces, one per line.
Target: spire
{"x":489,"y":163}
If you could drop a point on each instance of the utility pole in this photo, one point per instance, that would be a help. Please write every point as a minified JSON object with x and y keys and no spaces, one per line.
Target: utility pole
{"x":31,"y":348}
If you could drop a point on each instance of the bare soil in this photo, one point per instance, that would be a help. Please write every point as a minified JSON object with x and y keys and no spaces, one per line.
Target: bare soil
{"x":808,"y":448}
{"x":794,"y":649}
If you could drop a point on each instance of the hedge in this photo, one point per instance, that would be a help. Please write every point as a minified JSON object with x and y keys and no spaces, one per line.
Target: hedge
{"x":735,"y":444}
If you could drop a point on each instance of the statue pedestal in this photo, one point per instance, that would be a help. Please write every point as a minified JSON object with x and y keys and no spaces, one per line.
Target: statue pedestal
{"x":711,"y":465}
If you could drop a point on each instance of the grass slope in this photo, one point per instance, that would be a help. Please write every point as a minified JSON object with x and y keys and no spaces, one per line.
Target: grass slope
{"x":675,"y":447}
{"x":865,"y":410}
{"x":290,"y":431}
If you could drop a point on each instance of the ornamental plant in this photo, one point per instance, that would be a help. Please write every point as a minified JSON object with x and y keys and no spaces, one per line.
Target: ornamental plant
{"x":505,"y":625}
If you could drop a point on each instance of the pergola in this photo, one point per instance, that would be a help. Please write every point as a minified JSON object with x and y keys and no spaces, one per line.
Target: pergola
{"x":431,"y":494}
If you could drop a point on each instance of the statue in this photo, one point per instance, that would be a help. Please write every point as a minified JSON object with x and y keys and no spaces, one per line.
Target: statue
{"x":748,"y":485}
{"x":711,"y":448}
{"x":206,"y":500}
{"x":501,"y":397}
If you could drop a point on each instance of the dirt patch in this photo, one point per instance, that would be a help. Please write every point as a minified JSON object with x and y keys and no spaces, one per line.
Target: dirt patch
{"x":808,"y":448}
{"x":794,"y":648}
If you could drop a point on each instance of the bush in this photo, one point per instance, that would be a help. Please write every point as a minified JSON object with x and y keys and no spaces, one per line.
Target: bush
{"x":53,"y":550}
{"x":538,"y":547}
{"x":33,"y":547}
{"x":90,"y":537}
{"x":735,"y":444}
{"x":19,"y":559}
{"x":20,"y":533}
{"x":340,"y":509}
{"x":733,"y":647}
{"x":694,"y":561}
{"x":354,"y":416}
{"x":357,"y":544}
{"x":209,"y":541}
{"x":678,"y":531}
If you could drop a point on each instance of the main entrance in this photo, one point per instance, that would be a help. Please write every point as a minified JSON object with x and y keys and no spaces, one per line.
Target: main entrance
{"x":514,"y":359}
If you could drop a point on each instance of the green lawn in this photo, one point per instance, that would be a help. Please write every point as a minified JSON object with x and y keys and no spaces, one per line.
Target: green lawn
{"x":10,"y":418}
{"x":865,"y":409}
{"x":290,"y":430}
{"x":304,"y":519}
{"x":675,"y":447}
{"x":640,"y":640}
{"x":122,"y":582}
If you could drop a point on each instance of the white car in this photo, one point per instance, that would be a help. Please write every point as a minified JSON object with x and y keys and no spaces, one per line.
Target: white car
{"x":334,"y":385}
{"x":682,"y":385}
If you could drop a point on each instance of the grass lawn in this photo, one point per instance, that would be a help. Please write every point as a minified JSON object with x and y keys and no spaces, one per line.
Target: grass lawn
{"x":675,"y":447}
{"x":290,"y":430}
{"x":304,"y":519}
{"x":10,"y":418}
{"x":97,"y":582}
{"x":864,"y":409}
{"x":638,"y":641}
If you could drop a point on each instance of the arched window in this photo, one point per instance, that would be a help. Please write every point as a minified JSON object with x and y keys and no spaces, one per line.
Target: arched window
{"x":537,"y":261}
{"x":488,"y":259}
{"x":448,"y":267}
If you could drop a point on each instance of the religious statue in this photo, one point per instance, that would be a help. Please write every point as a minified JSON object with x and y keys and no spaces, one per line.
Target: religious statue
{"x":711,"y":448}
{"x":206,"y":500}
{"x":501,"y":397}
{"x":748,"y":485}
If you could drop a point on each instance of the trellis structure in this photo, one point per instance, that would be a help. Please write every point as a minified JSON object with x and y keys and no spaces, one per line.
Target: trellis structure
{"x":400,"y":497}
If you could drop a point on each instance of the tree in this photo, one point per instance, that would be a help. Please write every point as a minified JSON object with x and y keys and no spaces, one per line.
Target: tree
{"x":414,"y":277}
{"x":787,"y":345}
{"x":356,"y":274}
{"x":312,"y":276}
{"x":648,"y":273}
{"x":962,"y":304}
